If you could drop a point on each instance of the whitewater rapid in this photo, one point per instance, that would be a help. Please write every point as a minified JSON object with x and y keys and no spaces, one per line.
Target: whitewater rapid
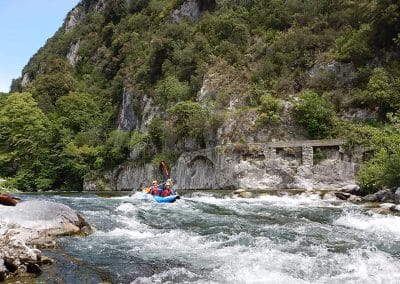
{"x":209,"y":238}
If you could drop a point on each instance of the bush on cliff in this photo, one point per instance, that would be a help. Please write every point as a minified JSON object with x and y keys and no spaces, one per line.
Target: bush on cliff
{"x":316,"y":115}
{"x":189,"y":120}
{"x":269,"y":110}
{"x":383,"y":169}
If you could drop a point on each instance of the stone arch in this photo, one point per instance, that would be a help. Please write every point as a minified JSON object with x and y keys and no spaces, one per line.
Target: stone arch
{"x":200,"y":158}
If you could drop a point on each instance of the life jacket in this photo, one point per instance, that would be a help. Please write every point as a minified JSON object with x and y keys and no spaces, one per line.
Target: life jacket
{"x":166,"y":192}
{"x":154,"y":190}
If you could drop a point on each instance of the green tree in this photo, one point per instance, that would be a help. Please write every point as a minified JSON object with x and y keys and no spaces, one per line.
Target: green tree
{"x":354,"y":45}
{"x":22,"y":127}
{"x":80,"y":112}
{"x":156,"y":132}
{"x":170,"y":90}
{"x":48,"y":88}
{"x":23,"y":135}
{"x":384,"y":167}
{"x":115,"y":10}
{"x":189,"y":120}
{"x":382,"y":91}
{"x":316,"y":115}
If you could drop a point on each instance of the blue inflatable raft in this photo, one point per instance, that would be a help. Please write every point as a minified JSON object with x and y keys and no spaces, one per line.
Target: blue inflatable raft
{"x":167,"y":199}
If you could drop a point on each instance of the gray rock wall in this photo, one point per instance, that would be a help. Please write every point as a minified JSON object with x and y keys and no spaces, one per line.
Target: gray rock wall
{"x":72,"y":55}
{"x":127,"y":118}
{"x":132,"y":177}
{"x":205,"y":169}
{"x":247,"y":167}
{"x":190,"y":9}
{"x":215,"y":169}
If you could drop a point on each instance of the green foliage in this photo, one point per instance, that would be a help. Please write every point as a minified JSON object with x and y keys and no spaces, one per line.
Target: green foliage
{"x":318,"y":155}
{"x":156,"y":132}
{"x":269,"y":110}
{"x":23,"y":134}
{"x":168,"y":157}
{"x":188,"y":119}
{"x":354,"y":45}
{"x":170,"y":90}
{"x":382,"y":93}
{"x":137,"y":5}
{"x":48,"y":88}
{"x":115,"y":10}
{"x":384,"y":167}
{"x":316,"y":115}
{"x":138,"y":141}
{"x":80,"y":112}
{"x":385,"y":21}
{"x":22,"y":128}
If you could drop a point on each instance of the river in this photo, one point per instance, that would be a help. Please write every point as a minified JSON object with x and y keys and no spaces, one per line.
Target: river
{"x":214,"y":238}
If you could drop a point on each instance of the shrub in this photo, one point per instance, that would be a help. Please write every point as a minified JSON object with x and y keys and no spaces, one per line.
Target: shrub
{"x":269,"y":110}
{"x":170,"y":90}
{"x":189,"y":120}
{"x":384,"y":167}
{"x":316,"y":115}
{"x":156,"y":130}
{"x":382,"y":93}
{"x":354,"y":45}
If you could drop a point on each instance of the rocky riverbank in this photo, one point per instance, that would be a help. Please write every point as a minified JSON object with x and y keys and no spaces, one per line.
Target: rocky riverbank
{"x":32,"y":225}
{"x":385,"y":200}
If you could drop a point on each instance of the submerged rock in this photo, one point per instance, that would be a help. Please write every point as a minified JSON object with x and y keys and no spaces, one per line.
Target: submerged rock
{"x":32,"y":224}
{"x":383,"y":195}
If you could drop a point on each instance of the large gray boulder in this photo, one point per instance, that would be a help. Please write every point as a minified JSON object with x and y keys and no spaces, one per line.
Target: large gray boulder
{"x":397,"y":196}
{"x":31,"y":225}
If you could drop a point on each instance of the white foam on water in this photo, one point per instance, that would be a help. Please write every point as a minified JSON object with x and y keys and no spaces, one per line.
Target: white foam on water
{"x":305,"y":199}
{"x":126,"y":207}
{"x":169,"y":276}
{"x":126,"y":233}
{"x":375,"y":223}
{"x":296,"y":200}
{"x":245,"y":258}
{"x":272,"y":264}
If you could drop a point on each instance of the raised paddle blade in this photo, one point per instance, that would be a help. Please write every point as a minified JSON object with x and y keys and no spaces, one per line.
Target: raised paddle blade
{"x":164,"y":169}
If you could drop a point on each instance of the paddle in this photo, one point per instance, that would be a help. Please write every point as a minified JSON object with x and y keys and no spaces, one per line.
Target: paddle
{"x":164,"y":169}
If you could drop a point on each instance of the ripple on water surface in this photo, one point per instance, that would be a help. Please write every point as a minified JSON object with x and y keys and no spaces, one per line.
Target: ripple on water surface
{"x":208,"y":239}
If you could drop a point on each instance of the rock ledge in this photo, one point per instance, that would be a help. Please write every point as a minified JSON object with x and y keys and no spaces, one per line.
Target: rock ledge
{"x":31,"y":225}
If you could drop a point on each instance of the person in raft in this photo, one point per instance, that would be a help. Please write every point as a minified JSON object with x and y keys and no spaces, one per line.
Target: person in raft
{"x":154,"y":190}
{"x":167,"y":191}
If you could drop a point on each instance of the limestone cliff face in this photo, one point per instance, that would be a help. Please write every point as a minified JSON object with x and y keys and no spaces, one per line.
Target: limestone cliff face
{"x":257,"y":169}
{"x":257,"y":166}
{"x":127,"y":118}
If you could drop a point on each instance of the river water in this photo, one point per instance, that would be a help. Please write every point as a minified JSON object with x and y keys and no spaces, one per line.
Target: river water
{"x":215,"y":238}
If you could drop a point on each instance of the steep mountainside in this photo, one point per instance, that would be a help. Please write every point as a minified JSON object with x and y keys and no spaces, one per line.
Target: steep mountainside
{"x":144,"y":81}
